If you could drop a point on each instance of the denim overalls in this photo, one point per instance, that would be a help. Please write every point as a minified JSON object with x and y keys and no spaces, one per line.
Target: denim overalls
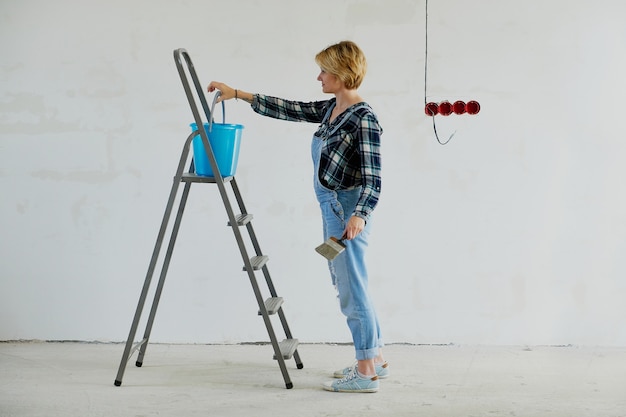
{"x":348,"y":270}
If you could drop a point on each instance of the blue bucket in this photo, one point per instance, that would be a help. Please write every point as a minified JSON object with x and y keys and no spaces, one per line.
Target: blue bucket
{"x":225,"y":140}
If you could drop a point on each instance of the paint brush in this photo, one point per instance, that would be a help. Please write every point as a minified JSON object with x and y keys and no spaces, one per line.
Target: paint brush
{"x":331,"y":248}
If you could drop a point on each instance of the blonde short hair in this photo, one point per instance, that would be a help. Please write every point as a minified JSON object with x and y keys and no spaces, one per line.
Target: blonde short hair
{"x":346,"y":61}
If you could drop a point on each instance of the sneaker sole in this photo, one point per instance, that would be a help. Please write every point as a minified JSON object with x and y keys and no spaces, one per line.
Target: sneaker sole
{"x":361,"y":391}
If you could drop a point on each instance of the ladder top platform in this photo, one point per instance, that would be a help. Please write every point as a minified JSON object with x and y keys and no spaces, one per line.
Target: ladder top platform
{"x":191,"y":177}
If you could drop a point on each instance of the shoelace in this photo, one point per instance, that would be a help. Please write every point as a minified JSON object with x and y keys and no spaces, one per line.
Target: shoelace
{"x":351,"y":375}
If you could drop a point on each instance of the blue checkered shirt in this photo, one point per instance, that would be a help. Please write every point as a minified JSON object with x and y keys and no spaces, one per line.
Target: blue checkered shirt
{"x":351,"y":152}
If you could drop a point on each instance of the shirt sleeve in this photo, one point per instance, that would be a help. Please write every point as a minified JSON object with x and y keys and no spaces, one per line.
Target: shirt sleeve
{"x":295,"y":111}
{"x":369,"y":151}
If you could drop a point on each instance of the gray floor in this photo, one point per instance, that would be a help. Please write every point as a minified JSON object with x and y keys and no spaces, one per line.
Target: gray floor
{"x":76,"y":379}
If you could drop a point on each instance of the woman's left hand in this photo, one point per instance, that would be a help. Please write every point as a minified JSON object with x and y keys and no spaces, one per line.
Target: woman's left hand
{"x":353,"y":228}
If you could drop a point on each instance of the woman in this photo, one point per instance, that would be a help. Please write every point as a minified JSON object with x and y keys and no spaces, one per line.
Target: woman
{"x":346,"y":158}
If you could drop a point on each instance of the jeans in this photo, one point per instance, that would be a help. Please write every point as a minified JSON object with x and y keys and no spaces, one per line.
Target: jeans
{"x":349,"y":273}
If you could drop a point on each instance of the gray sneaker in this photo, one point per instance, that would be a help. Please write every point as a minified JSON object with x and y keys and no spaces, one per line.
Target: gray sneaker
{"x":382,"y":371}
{"x":352,"y":383}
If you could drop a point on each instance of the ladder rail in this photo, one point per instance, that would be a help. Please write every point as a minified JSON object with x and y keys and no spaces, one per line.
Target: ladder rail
{"x":164,"y":269}
{"x":128,"y":349}
{"x":180,"y":55}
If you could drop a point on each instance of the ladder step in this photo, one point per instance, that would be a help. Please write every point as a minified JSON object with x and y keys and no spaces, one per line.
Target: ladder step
{"x":257,"y":262}
{"x":287,"y":348}
{"x":242,"y":219}
{"x":272,"y":305}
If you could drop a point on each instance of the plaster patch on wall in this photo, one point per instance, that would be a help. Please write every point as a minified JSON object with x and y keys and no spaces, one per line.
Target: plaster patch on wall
{"x":461,"y":181}
{"x":277,"y":208}
{"x":9,"y":69}
{"x":27,"y":113}
{"x":88,"y":177}
{"x":103,"y":81}
{"x":87,"y":216}
{"x":21,"y":206}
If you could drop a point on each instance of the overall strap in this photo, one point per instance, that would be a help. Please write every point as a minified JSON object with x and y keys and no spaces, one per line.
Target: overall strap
{"x":328,"y":112}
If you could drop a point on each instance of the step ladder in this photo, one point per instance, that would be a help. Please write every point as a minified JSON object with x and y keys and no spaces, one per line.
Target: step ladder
{"x":272,"y":306}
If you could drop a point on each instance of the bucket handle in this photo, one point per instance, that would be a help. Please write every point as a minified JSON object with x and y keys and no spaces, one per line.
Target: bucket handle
{"x":217,"y":94}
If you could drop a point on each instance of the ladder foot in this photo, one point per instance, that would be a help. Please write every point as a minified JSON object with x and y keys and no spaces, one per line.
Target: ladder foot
{"x":300,"y":366}
{"x":138,"y":364}
{"x":289,"y":385}
{"x":118,"y":383}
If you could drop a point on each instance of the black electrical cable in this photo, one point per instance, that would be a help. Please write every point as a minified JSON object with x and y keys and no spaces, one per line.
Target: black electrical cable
{"x":426,"y":79}
{"x":426,"y":54}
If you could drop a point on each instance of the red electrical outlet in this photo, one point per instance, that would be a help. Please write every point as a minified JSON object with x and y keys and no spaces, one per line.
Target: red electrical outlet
{"x":445,"y":108}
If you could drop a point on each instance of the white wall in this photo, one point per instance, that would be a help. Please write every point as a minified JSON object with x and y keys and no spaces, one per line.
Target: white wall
{"x":513,"y":233}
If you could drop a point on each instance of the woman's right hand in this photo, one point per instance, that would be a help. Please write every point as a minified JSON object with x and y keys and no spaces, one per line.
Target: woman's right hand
{"x":229,"y":92}
{"x":226,"y":92}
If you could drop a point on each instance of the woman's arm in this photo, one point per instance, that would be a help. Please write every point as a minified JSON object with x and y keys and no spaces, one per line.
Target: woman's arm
{"x":229,"y":92}
{"x":277,"y":108}
{"x":370,"y":164}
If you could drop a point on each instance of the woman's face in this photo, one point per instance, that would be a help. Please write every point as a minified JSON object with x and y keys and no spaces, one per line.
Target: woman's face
{"x":330,"y":83}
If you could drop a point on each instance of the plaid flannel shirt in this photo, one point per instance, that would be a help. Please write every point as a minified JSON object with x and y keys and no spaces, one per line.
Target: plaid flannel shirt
{"x":351,"y":152}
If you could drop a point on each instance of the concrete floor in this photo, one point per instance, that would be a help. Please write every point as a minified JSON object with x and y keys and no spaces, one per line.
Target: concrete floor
{"x":76,"y":379}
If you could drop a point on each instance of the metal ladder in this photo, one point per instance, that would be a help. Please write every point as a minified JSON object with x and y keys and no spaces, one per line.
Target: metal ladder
{"x":287,"y":348}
